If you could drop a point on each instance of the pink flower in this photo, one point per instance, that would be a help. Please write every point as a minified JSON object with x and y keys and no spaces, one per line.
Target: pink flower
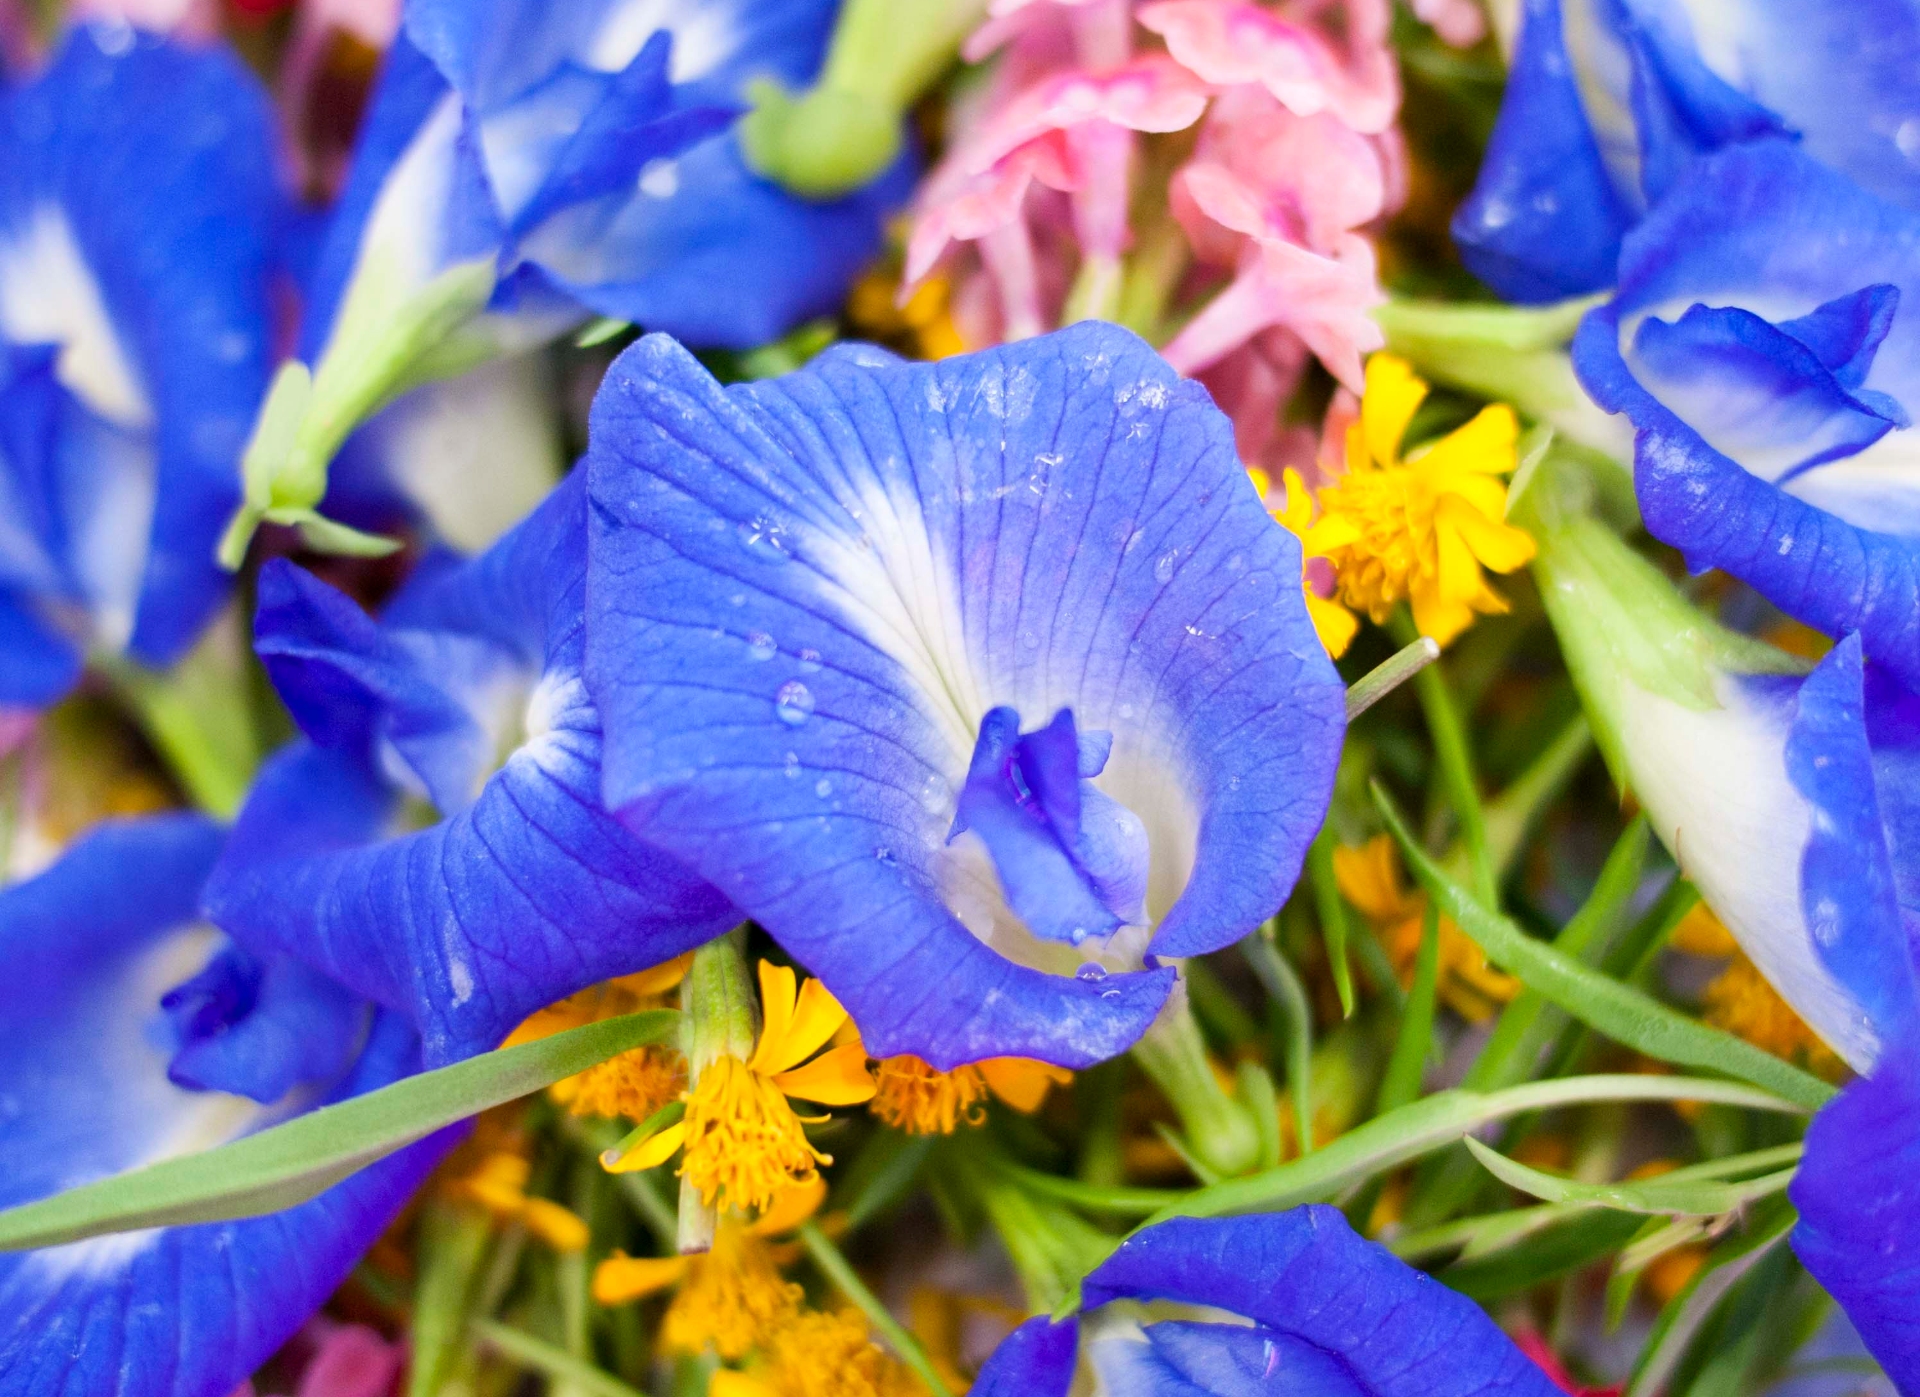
{"x":341,"y":1360}
{"x":1461,"y":23}
{"x":194,"y":18}
{"x":1229,"y":42}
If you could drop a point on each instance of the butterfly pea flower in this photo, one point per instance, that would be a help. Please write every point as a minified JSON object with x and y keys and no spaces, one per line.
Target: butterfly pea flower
{"x":138,"y":218}
{"x":974,"y":683}
{"x":437,"y":841}
{"x":1763,"y":344}
{"x":524,"y":166}
{"x":1790,"y":799}
{"x":137,"y":1033}
{"x":1322,"y":1310}
{"x":1609,"y":104}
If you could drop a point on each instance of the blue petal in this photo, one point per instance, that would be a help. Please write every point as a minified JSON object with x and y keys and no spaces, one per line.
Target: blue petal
{"x":139,"y":196}
{"x":38,"y":663}
{"x":1220,"y":1360}
{"x":259,"y":1030}
{"x":1544,"y":220}
{"x":1859,"y":1232}
{"x":1035,"y":1360}
{"x":1766,"y":230}
{"x":517,"y":896}
{"x":1848,"y":893}
{"x":1308,"y":1276}
{"x":807,"y":594}
{"x":87,"y":950}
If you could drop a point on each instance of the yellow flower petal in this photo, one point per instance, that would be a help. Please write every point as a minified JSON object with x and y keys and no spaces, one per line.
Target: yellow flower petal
{"x":778,"y":985}
{"x":1393,"y":394}
{"x":793,"y":1207}
{"x":1333,"y":623}
{"x":1021,"y":1082}
{"x":816,"y":1018}
{"x":558,"y":1227}
{"x":1486,"y":444}
{"x":1439,"y":616}
{"x":1498,"y":545}
{"x":654,"y":1150}
{"x":727,"y":1383}
{"x":657,"y":979}
{"x":621,"y":1279}
{"x":1369,"y":878}
{"x":835,"y":1078}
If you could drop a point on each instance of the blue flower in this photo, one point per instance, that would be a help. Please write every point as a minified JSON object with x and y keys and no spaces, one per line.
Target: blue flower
{"x":1609,"y":103}
{"x":136,"y":1033}
{"x":1332,"y":1315}
{"x":1792,"y":801}
{"x":437,"y":841}
{"x":138,"y":215}
{"x":1765,"y":345}
{"x":941,"y":671}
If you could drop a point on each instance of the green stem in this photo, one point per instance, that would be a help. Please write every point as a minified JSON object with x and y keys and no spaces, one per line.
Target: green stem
{"x":555,"y":1362}
{"x":1401,"y":1084}
{"x":1410,"y":659}
{"x":835,"y":1268}
{"x":722,"y":1019}
{"x":1455,"y":756}
{"x":1512,"y":813}
{"x":1334,"y":927}
{"x":1283,"y":983}
{"x":1217,"y":1129}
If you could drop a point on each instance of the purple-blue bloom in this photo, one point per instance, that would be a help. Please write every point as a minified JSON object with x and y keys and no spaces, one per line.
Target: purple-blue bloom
{"x":139,"y":214}
{"x":1765,"y":343}
{"x":437,"y":841}
{"x":1610,"y":102}
{"x":137,"y":1033}
{"x":1324,"y":1313}
{"x":958,"y":676}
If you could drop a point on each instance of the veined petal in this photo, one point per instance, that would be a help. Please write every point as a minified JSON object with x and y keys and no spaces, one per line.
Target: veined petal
{"x":898,"y":549}
{"x":139,"y":211}
{"x":1035,"y":1360}
{"x":88,"y":949}
{"x":1826,"y":535}
{"x":1181,"y":1359}
{"x":518,"y":897}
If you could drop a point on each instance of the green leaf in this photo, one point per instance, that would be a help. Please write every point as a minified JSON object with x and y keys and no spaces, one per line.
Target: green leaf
{"x":290,"y":1163}
{"x":1568,"y":1242}
{"x":1684,"y":1315}
{"x":1332,"y":908}
{"x":1667,"y":1194}
{"x":1619,"y":1011}
{"x":1401,"y":1081}
{"x":1390,"y":1140}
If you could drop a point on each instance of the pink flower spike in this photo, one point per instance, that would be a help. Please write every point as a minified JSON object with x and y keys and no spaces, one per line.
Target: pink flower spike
{"x":1148,"y":94}
{"x":1307,"y":179}
{"x":351,"y":1360}
{"x":1323,"y":300}
{"x":1009,"y":19}
{"x":1229,"y":42}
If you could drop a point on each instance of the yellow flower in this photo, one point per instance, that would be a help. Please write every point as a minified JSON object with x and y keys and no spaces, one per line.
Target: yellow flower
{"x":742,"y":1142}
{"x":732,"y":1298}
{"x":498,"y":1183}
{"x":634,"y":1084}
{"x":922,"y":1100}
{"x":1423,"y":527}
{"x":920,"y":319}
{"x":1743,"y":1002}
{"x":1369,"y":878}
{"x":820,"y":1355}
{"x":1334,"y":624}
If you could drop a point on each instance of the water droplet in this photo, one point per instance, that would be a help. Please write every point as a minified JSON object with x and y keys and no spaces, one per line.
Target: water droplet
{"x":1030,"y":640}
{"x":1092,"y":972}
{"x":792,"y":766}
{"x":765,"y":539}
{"x":823,"y":788}
{"x":1163,"y":566}
{"x":760,"y":646}
{"x":793,"y":703}
{"x":1126,"y":710}
{"x":1235,"y":562}
{"x":1109,"y":994}
{"x":934,"y":795}
{"x":809,"y":661}
{"x":885,"y":856}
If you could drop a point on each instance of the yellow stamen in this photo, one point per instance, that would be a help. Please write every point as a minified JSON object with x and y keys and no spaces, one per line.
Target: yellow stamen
{"x":637,"y":1082}
{"x":744,"y":1143}
{"x":829,"y":1355}
{"x":732,"y":1300}
{"x":1421,"y":529}
{"x":922,"y":1100}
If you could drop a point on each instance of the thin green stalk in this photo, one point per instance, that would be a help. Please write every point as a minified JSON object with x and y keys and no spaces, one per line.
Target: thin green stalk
{"x":835,"y":1268}
{"x":1413,"y":657}
{"x":1455,"y":757}
{"x":1283,"y":983}
{"x":555,"y":1362}
{"x":1512,"y":813}
{"x":1401,"y":1084}
{"x":1118,"y":1200}
{"x":1332,"y":908}
{"x":1217,"y":1128}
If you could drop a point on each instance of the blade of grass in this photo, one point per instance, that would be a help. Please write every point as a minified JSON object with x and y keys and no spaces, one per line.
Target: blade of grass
{"x":1455,"y":757}
{"x":1283,"y":983}
{"x":555,"y":1362}
{"x":1332,"y":909}
{"x":1401,"y":1083}
{"x":1621,"y":1012}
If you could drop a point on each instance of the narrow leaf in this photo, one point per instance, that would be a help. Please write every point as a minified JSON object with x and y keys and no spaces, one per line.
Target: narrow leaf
{"x":1619,"y":1011}
{"x":1664,"y":1195}
{"x":1684,"y":1315}
{"x":293,"y":1162}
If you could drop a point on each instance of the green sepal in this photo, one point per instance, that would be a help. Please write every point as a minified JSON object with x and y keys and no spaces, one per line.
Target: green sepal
{"x":1668,"y":1194}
